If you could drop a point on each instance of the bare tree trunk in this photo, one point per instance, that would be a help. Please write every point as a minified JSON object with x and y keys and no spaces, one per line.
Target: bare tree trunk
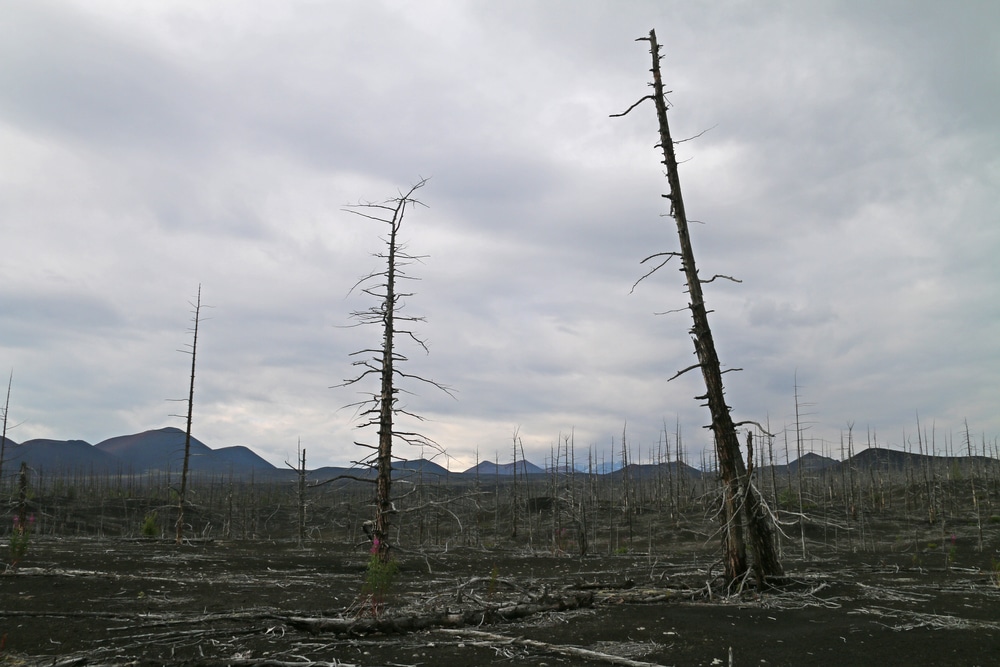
{"x":736,"y":487}
{"x":626,"y":488}
{"x":382,"y":408}
{"x":182,"y":496}
{"x":3,"y":437}
{"x":300,"y":493}
{"x":513,"y":498}
{"x":22,"y":496}
{"x":383,"y":461}
{"x":972,"y":481}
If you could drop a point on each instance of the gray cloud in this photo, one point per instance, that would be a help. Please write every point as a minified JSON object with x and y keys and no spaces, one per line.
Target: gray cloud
{"x":846,"y":174}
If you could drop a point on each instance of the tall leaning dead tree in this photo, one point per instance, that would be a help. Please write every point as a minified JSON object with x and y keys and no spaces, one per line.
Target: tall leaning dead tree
{"x":741,"y":500}
{"x":182,"y":494}
{"x":384,"y":362}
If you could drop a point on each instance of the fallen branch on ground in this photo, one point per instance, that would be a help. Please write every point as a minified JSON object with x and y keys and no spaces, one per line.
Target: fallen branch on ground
{"x":573,"y":651}
{"x":402,"y":624}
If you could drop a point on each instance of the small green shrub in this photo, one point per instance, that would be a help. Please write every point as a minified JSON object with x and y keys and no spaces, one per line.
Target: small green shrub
{"x":379,"y":578}
{"x":995,"y":519}
{"x":150,"y":525}
{"x":20,"y":537}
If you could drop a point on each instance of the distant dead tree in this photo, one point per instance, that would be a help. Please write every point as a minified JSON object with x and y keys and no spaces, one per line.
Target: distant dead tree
{"x":383,"y":362}
{"x":3,"y":436}
{"x":182,"y":494}
{"x":738,"y":490}
{"x":300,"y":492}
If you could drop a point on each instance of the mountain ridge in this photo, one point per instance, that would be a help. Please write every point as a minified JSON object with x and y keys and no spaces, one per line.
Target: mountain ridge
{"x":162,"y":450}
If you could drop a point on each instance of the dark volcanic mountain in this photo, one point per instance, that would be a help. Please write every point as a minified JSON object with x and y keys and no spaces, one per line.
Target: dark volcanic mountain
{"x":810,"y":462}
{"x":653,"y":471}
{"x":59,"y":456}
{"x":163,"y":449}
{"x":486,"y":468}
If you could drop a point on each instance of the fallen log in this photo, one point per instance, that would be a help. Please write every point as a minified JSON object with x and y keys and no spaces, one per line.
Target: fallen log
{"x":439,"y":619}
{"x":559,"y":649}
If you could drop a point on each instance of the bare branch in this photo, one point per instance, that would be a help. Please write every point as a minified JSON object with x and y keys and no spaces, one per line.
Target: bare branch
{"x":366,"y":480}
{"x":757,"y":424}
{"x":671,"y":311}
{"x":623,"y":113}
{"x":719,"y":275}
{"x":668,"y":255}
{"x":681,"y":141}
{"x":682,"y":372}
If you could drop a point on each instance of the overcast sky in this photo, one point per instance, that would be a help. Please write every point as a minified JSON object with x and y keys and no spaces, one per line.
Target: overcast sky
{"x":848,"y":173}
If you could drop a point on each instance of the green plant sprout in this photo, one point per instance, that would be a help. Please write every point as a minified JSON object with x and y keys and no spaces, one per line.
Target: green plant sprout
{"x":20,"y":537}
{"x":150,"y":526}
{"x":379,"y":578}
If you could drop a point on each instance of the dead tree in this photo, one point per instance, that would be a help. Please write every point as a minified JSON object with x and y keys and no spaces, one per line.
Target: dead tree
{"x":383,"y":362}
{"x":3,"y":436}
{"x":182,"y":494}
{"x":738,"y":492}
{"x":300,"y":492}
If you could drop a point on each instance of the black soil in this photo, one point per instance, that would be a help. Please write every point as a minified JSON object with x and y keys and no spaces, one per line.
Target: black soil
{"x":79,"y":600}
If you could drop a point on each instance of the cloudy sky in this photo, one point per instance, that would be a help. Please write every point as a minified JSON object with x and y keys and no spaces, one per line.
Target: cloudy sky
{"x":848,"y":173}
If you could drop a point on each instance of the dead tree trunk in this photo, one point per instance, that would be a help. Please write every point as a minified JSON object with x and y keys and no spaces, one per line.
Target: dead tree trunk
{"x":182,"y":495}
{"x":3,"y":436}
{"x":22,"y":496}
{"x":381,"y":409}
{"x":300,"y":493}
{"x":738,"y":493}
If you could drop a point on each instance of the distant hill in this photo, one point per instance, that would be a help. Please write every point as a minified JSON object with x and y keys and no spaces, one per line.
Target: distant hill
{"x":235,"y":458}
{"x":428,"y":470}
{"x":59,"y":455}
{"x":890,"y":459}
{"x":489,"y":468}
{"x":653,"y":471}
{"x":421,"y":466}
{"x":878,"y":459}
{"x":163,"y":450}
{"x":894,"y":460}
{"x":810,"y":462}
